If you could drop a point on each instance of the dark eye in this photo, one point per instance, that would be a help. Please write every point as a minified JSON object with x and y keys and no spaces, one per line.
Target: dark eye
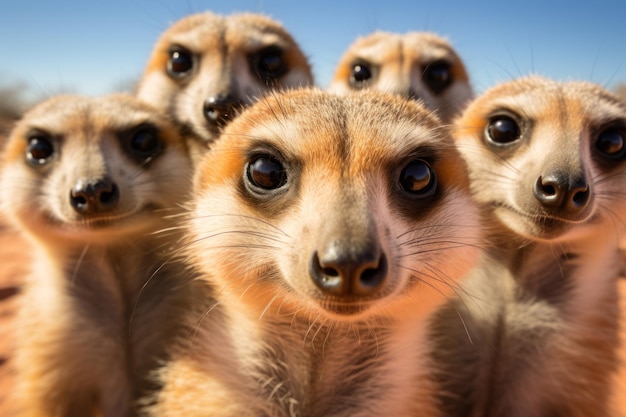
{"x":438,"y":76}
{"x":180,"y":62}
{"x":266,"y":172}
{"x":39,"y":149}
{"x":611,"y":142}
{"x":360,"y":74}
{"x":503,"y":130}
{"x":418,"y":179}
{"x":145,"y":143}
{"x":269,"y":64}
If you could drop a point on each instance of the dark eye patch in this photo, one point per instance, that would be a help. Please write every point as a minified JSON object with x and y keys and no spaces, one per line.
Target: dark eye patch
{"x":503,"y":130}
{"x":418,"y":179}
{"x":611,"y":142}
{"x":360,"y":74}
{"x":268,"y":64}
{"x":438,"y":76}
{"x":265,"y":172}
{"x":142,"y":143}
{"x":180,"y":62}
{"x":40,"y":149}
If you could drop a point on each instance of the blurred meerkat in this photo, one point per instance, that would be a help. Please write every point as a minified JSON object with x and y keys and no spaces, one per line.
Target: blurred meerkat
{"x":89,"y":181}
{"x":416,"y":65}
{"x":547,"y":162}
{"x":206,"y":67}
{"x":325,"y":227}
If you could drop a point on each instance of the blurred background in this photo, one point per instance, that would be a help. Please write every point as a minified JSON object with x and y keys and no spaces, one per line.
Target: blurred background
{"x":88,"y":47}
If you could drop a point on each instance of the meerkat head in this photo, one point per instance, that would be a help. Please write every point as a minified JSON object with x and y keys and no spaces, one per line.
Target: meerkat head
{"x":205,"y":67}
{"x":88,"y":169}
{"x":339,"y":207}
{"x":546,"y":157}
{"x":415,"y":65}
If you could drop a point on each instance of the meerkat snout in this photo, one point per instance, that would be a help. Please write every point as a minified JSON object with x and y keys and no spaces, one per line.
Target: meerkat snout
{"x":569,"y":193}
{"x":343,"y":268}
{"x":94,"y":196}
{"x":221,"y":108}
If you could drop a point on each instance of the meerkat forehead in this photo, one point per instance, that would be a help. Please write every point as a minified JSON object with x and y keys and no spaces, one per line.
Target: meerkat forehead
{"x":211,"y":32}
{"x":71,"y":116}
{"x":412,"y":48}
{"x":575,"y":105}
{"x":380,"y":44}
{"x":66,"y":113}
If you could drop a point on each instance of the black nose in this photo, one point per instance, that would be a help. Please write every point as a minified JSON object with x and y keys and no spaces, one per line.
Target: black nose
{"x":563,"y":192}
{"x":220,"y":109}
{"x":94,"y":196}
{"x":349,"y":271}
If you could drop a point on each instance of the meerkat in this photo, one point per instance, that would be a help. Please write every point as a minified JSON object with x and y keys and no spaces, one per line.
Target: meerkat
{"x":90,"y":182}
{"x":206,"y":67}
{"x":328,"y":229}
{"x":538,"y":326}
{"x":416,"y":65}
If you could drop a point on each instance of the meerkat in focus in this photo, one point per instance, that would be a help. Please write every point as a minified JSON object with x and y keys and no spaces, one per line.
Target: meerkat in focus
{"x":547,"y":162}
{"x":90,"y":182}
{"x":206,"y":67}
{"x":416,"y":65}
{"x":329,"y":229}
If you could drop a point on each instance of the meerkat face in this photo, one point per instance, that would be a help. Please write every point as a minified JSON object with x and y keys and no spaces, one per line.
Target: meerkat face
{"x":206,"y":67}
{"x":547,"y":157}
{"x":415,"y":65}
{"x":339,"y":207}
{"x":89,"y":169}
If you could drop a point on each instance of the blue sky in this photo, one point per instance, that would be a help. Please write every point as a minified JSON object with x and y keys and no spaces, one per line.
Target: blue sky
{"x":97,"y":47}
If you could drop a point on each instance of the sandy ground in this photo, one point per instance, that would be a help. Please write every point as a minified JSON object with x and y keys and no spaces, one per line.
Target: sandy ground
{"x":13,"y":261}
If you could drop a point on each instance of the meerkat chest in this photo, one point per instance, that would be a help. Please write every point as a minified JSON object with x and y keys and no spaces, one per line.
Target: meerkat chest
{"x":338,"y":372}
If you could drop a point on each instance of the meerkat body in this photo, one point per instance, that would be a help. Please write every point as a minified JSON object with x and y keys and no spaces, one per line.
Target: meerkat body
{"x":89,"y":181}
{"x":325,"y":227}
{"x":205,"y":67}
{"x":547,"y":162}
{"x":416,"y":65}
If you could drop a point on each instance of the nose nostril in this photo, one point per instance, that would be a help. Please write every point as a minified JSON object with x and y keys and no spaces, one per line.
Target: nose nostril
{"x":107,"y":197}
{"x":371,"y":278}
{"x":89,"y":198}
{"x":568,"y":194}
{"x":581,"y":198}
{"x":548,"y":189}
{"x":348,"y":274}
{"x":330,"y":272}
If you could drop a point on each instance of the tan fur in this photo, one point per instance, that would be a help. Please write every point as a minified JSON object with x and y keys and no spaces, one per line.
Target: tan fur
{"x":277,"y":343}
{"x":540,"y":312}
{"x":226,"y":51}
{"x":401,"y":63}
{"x":99,"y":305}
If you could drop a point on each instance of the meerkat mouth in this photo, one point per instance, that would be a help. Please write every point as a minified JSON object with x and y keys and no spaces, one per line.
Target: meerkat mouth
{"x":346,"y":309}
{"x":104,"y":221}
{"x":540,"y":226}
{"x":539,"y":218}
